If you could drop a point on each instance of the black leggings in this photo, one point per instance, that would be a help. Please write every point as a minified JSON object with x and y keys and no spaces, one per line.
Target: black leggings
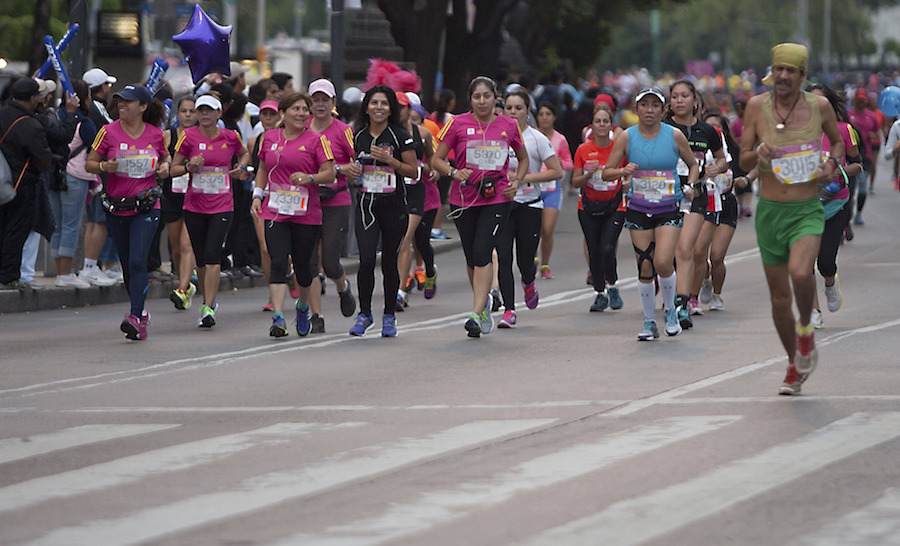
{"x":387,"y":218}
{"x":335,"y":221}
{"x":207,"y":232}
{"x":601,"y":234}
{"x":422,"y":239}
{"x":523,"y":226}
{"x":296,"y":240}
{"x":479,"y":228}
{"x":831,"y":240}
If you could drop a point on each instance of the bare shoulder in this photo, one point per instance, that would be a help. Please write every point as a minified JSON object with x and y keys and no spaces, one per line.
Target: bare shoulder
{"x":756,"y":102}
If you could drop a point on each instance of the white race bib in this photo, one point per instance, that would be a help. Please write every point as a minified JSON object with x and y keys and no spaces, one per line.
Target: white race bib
{"x":653,"y":186}
{"x":211,"y":180}
{"x":180,"y":183}
{"x":289,"y":200}
{"x":486,"y":155}
{"x":378,"y":179}
{"x":136,"y":163}
{"x":596,"y":181}
{"x":797,"y":163}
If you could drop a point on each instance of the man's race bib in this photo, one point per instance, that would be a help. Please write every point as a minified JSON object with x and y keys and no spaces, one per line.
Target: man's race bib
{"x":211,"y":180}
{"x":288,"y":200}
{"x":486,"y":155}
{"x":136,"y":163}
{"x":180,"y":183}
{"x":378,"y":179}
{"x":653,"y":186}
{"x":797,"y":163}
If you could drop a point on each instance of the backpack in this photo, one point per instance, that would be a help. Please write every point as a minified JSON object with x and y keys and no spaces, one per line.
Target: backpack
{"x":7,"y":190}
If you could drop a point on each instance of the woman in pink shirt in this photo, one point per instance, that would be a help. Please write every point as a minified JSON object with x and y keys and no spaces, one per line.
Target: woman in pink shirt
{"x":293,"y":161}
{"x":206,"y":152}
{"x":481,"y":192}
{"x":132,"y":153}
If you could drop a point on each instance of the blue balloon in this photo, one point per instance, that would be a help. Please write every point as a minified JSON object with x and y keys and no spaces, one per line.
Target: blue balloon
{"x":205,"y":45}
{"x":889,"y":101}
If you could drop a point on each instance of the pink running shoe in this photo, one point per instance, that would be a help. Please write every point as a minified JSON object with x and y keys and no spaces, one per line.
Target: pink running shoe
{"x":132,"y":326}
{"x":545,"y":272}
{"x":531,"y":295}
{"x":508,"y":320}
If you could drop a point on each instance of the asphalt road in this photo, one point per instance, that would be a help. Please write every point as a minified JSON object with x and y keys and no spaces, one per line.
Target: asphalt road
{"x":565,"y":430}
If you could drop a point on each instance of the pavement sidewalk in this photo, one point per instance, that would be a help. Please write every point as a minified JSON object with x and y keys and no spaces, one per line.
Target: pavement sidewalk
{"x":48,"y":296}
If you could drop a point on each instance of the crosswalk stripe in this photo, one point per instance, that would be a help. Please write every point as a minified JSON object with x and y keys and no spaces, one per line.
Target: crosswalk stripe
{"x":14,"y":449}
{"x":136,"y":467}
{"x":642,"y":518}
{"x":877,"y":523}
{"x":439,"y":507}
{"x":276,"y":487}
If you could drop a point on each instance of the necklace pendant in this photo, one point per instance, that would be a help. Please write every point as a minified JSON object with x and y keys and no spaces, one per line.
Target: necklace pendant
{"x":780,"y":126}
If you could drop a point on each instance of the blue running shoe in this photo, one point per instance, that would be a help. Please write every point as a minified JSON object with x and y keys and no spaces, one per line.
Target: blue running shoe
{"x":304,"y":326}
{"x":363,"y":324}
{"x":615,"y":300}
{"x":673,"y":327}
{"x":649,"y":331}
{"x":389,"y":326}
{"x":279,"y":327}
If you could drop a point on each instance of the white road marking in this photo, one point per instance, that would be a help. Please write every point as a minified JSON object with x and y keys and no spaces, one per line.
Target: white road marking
{"x":649,"y":516}
{"x":877,"y":523}
{"x":276,"y":487}
{"x":14,"y":449}
{"x":435,"y":508}
{"x":159,"y":461}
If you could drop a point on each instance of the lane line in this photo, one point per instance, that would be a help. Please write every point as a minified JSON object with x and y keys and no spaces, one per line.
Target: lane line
{"x":877,"y":523}
{"x":649,"y":516}
{"x":14,"y":449}
{"x":158,"y":461}
{"x":439,"y":507}
{"x":277,"y":487}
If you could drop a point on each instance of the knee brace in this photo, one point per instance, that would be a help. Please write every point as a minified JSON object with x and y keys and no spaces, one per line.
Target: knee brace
{"x":645,"y":255}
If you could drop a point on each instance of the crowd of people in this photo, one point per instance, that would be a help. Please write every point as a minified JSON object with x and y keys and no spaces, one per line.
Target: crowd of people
{"x":261,"y":180}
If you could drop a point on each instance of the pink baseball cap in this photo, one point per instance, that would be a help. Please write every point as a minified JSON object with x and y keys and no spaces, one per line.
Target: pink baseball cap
{"x":269,"y":105}
{"x":322,"y":86}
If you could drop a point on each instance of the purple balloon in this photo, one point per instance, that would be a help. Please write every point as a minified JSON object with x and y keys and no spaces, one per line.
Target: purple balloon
{"x":205,"y":45}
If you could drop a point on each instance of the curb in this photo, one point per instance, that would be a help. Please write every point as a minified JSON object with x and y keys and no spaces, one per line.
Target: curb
{"x":50,"y":297}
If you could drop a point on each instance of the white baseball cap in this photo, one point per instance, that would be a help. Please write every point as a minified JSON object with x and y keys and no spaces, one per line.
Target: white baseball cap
{"x":413,"y":98}
{"x":208,"y":101}
{"x":322,"y":86}
{"x":649,"y":91}
{"x":96,"y":77}
{"x":352,"y":95}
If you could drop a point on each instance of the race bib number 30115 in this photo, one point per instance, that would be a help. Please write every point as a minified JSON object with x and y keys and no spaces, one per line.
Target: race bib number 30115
{"x":797,"y":163}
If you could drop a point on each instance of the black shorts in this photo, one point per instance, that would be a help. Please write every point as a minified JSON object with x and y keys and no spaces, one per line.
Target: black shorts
{"x":698,"y":204}
{"x":643,"y":221}
{"x":415,"y":198}
{"x":207,"y":232}
{"x":171,"y":207}
{"x":729,"y":214}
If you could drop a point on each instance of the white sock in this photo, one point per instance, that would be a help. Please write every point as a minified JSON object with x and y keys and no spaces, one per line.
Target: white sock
{"x":89,"y":263}
{"x":648,"y":299}
{"x":667,"y":290}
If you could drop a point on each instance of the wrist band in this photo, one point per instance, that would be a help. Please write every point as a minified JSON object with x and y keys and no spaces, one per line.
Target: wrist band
{"x":100,"y":163}
{"x":258,"y":193}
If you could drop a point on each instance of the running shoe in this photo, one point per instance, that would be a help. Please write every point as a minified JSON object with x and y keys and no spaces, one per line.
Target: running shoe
{"x":684,"y":318}
{"x":473,"y":325}
{"x":71,"y":281}
{"x":673,"y":324}
{"x":858,"y":219}
{"x":159,"y":275}
{"x":131,"y":326}
{"x":807,"y":356}
{"x":410,"y":283}
{"x":207,"y":316}
{"x":144,"y":323}
{"x":317,"y":323}
{"x":745,"y":212}
{"x":792,"y":381}
{"x":706,"y":291}
{"x":420,"y":277}
{"x":486,"y":318}
{"x":183,"y":298}
{"x":601,"y":302}
{"x":834,"y":295}
{"x":115,"y":273}
{"x":279,"y":327}
{"x":848,"y":232}
{"x":389,"y":326}
{"x":348,"y":302}
{"x":269,"y":307}
{"x":292,"y":286}
{"x":615,"y":300}
{"x":402,"y":301}
{"x":431,"y":285}
{"x":590,"y":278}
{"x":508,"y":320}
{"x":95,"y":277}
{"x":252,"y":272}
{"x":497,"y":299}
{"x":302,"y":321}
{"x":716,"y":304}
{"x":363,"y":324}
{"x":439,"y":235}
{"x":545,"y":272}
{"x":531,"y":295}
{"x":649,"y":331}
{"x":816,"y":319}
{"x":694,"y":306}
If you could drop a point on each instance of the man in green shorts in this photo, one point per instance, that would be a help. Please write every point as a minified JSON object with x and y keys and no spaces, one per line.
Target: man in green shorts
{"x":782,"y":137}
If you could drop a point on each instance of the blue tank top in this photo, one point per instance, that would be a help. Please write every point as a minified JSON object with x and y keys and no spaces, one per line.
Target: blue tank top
{"x":656,"y":154}
{"x":657,"y":159}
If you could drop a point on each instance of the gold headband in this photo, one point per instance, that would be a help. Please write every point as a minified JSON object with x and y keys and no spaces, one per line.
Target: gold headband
{"x":792,"y":55}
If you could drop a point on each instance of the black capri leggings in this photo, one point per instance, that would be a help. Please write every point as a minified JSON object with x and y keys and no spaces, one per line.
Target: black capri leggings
{"x":207,"y":232}
{"x":831,"y":240}
{"x":387,"y":218}
{"x":335,"y":221}
{"x":601,"y":234}
{"x":422,"y":240}
{"x":479,"y":228}
{"x":296,"y":240}
{"x":523,"y":227}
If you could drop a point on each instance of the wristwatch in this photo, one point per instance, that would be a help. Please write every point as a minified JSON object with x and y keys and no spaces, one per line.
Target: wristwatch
{"x":337,"y":169}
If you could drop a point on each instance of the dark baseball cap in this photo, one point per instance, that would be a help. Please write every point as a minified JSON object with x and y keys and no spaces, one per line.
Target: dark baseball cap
{"x":25,"y":88}
{"x":135,"y":92}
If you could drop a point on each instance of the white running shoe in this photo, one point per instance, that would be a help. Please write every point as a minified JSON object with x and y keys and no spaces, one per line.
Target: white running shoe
{"x":834,"y":295}
{"x":114,"y":273}
{"x":71,"y":281}
{"x":716,"y":304}
{"x":706,"y":291}
{"x":95,"y":276}
{"x":816,"y":319}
